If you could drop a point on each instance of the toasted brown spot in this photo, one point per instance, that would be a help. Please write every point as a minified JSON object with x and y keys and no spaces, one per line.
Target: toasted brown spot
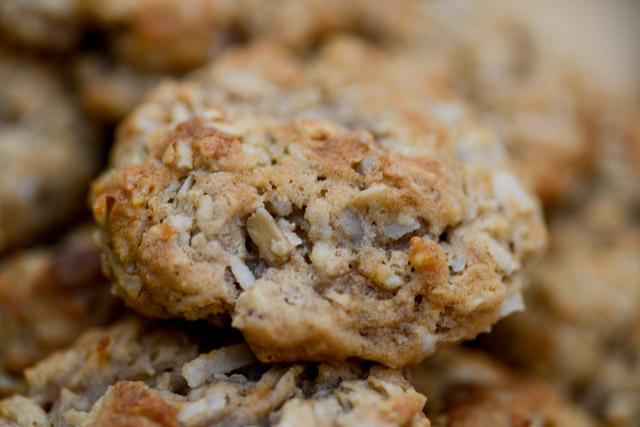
{"x":426,"y":257}
{"x":130,"y":404}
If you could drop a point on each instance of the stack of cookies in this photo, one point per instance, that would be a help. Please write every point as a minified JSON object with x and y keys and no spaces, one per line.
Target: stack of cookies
{"x":294,"y":213}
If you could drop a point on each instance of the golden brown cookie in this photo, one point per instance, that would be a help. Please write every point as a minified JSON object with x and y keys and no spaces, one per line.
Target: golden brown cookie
{"x":42,"y":24}
{"x":142,"y":373}
{"x":580,"y":329}
{"x":108,"y":90}
{"x":47,"y":152}
{"x":538,"y":78}
{"x":330,"y":217}
{"x":48,"y":296}
{"x":159,"y":35}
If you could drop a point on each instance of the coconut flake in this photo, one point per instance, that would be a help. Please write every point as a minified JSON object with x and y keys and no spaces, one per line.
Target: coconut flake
{"x":512,"y":304}
{"x":507,"y":189}
{"x":351,"y":225}
{"x":180,"y":222}
{"x":394,"y":231}
{"x":202,"y":408}
{"x":243,"y":275}
{"x":505,"y":261}
{"x":221,"y":361}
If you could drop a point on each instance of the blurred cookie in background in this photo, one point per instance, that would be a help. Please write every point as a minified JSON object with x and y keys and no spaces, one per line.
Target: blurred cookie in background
{"x":306,"y":24}
{"x":538,"y":77}
{"x":618,"y":167}
{"x":580,"y":328}
{"x":159,"y":35}
{"x":467,"y":388}
{"x":48,"y":296}
{"x":44,"y":25}
{"x":106,"y":89}
{"x":139,"y":371}
{"x":48,"y":152}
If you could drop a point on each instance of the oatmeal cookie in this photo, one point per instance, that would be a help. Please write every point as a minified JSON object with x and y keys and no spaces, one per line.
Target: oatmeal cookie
{"x":468,"y":388}
{"x":110,"y":83}
{"x":173,"y":35}
{"x":303,"y":23}
{"x":581,"y":326}
{"x":143,"y":373}
{"x":107,"y":89}
{"x":160,"y":35}
{"x":538,"y":78}
{"x":353,"y":220}
{"x":42,"y":24}
{"x":47,"y":152}
{"x":48,"y":296}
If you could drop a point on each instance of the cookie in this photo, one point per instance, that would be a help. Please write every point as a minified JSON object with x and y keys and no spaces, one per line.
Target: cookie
{"x":107,"y":90}
{"x":584,"y":296}
{"x":159,"y":35}
{"x":301,"y":24}
{"x":110,"y":81}
{"x":137,"y":372}
{"x":177,"y":36}
{"x":330,"y":217}
{"x":48,"y":152}
{"x":48,"y":296}
{"x":538,"y":79}
{"x":41,"y":24}
{"x":468,"y":388}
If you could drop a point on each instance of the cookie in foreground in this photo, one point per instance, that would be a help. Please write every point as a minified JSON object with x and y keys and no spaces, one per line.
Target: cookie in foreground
{"x":330,"y":215}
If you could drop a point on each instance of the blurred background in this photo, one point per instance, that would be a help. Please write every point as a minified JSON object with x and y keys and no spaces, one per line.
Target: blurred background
{"x":558,"y":80}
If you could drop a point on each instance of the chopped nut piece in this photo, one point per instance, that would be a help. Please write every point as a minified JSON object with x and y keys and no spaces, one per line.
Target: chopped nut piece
{"x":325,"y":258}
{"x":270,"y":240}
